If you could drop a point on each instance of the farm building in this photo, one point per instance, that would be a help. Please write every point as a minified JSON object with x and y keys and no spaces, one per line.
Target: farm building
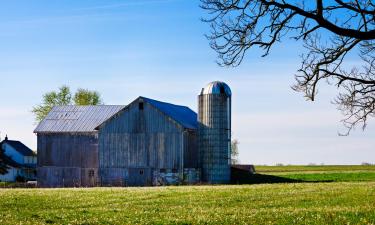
{"x":68,"y":145}
{"x":20,"y":159}
{"x":147,"y":142}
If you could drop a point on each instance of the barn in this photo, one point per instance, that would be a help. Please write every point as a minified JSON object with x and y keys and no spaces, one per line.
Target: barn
{"x":147,"y":142}
{"x":67,"y":144}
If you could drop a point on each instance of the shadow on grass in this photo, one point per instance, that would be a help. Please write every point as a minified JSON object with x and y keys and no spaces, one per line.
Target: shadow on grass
{"x":244,"y":177}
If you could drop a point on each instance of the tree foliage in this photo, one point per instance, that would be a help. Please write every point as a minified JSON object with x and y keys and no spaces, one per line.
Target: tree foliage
{"x":87,"y":97}
{"x":3,"y":165}
{"x":64,"y":97}
{"x":332,"y":31}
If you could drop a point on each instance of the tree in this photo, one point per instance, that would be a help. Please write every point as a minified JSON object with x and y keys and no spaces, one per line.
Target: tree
{"x":64,"y":97}
{"x":87,"y":97}
{"x":3,"y":165}
{"x":234,"y":151}
{"x":51,"y":99}
{"x":331,"y":32}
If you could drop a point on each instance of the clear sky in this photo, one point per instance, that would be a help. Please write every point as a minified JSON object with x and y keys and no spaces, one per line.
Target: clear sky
{"x":156,"y":48}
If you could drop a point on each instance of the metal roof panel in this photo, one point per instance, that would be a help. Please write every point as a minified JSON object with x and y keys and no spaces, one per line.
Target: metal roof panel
{"x":70,"y":118}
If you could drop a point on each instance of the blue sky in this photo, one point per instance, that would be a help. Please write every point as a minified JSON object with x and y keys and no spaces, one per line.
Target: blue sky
{"x":157,"y":49}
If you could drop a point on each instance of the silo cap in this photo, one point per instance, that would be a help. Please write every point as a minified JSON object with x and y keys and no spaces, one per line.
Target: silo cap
{"x":216,"y":87}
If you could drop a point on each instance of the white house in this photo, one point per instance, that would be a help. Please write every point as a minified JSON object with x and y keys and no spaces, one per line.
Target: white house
{"x":20,"y":159}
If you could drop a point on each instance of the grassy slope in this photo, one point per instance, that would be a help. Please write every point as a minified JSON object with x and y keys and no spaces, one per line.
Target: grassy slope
{"x":320,"y":173}
{"x":306,"y":169}
{"x":318,"y":203}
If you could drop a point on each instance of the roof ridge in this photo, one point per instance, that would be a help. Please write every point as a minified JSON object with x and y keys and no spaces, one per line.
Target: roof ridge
{"x":19,"y":147}
{"x":165,"y":102}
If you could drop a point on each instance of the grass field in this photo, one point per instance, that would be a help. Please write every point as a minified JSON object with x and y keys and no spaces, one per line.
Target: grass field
{"x":320,"y":173}
{"x":307,"y":169}
{"x":350,"y":201}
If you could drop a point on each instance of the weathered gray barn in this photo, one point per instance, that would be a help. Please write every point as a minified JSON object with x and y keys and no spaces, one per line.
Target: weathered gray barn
{"x":147,"y":142}
{"x":68,"y":145}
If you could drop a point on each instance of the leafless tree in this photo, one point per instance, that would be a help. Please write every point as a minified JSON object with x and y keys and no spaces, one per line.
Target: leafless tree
{"x":331,"y":31}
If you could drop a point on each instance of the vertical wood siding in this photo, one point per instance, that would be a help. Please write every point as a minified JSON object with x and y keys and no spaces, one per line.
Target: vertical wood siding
{"x":144,"y":140}
{"x":66,"y":159}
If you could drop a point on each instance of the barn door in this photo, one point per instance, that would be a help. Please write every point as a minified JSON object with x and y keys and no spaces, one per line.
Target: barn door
{"x":139,"y":177}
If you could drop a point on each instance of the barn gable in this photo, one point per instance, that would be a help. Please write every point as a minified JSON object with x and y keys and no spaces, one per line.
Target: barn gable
{"x":143,"y":138}
{"x":182,"y":116}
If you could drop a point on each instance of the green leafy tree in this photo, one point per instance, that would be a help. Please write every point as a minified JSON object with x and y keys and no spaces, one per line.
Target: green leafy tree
{"x":87,"y":97}
{"x":234,"y":151}
{"x":64,"y":97}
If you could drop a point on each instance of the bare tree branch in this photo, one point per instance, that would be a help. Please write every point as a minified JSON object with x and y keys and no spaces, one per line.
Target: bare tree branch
{"x":330,"y":31}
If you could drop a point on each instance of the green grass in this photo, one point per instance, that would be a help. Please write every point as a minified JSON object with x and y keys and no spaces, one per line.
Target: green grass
{"x":319,"y":173}
{"x":302,"y":203}
{"x":307,"y":169}
{"x":317,"y":198}
{"x":331,"y":177}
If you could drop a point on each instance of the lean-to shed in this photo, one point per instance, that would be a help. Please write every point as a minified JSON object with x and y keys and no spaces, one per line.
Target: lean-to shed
{"x":68,"y":145}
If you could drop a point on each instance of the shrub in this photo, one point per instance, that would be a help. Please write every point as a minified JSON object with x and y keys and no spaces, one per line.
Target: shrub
{"x":20,"y":178}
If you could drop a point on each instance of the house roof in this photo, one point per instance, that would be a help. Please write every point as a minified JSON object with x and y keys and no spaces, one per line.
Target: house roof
{"x":181,"y":114}
{"x":19,"y":147}
{"x":10,"y":162}
{"x":70,"y":118}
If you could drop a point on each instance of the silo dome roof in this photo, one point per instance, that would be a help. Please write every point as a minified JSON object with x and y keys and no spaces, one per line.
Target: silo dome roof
{"x":216,"y":87}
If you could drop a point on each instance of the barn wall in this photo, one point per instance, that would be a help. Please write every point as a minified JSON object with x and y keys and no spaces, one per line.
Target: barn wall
{"x":137,"y":141}
{"x":191,"y":153}
{"x":67,"y":159}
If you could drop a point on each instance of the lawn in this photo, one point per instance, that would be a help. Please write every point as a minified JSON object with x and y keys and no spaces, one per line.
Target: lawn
{"x":314,"y":169}
{"x":351,"y":200}
{"x":335,"y":173}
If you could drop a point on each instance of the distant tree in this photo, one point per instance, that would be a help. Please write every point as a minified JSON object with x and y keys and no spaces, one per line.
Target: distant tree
{"x":330,"y":30}
{"x":3,"y":165}
{"x":234,"y":151}
{"x":64,"y":97}
{"x":87,"y":97}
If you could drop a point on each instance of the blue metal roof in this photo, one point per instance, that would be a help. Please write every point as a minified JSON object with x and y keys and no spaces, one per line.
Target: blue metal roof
{"x":181,"y":114}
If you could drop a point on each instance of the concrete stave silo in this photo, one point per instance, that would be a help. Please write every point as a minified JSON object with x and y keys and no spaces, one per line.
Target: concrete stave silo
{"x":214,"y":132}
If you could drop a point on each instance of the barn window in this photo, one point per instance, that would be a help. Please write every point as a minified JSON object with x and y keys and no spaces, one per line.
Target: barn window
{"x":91,"y":173}
{"x":141,"y":172}
{"x":140,"y":106}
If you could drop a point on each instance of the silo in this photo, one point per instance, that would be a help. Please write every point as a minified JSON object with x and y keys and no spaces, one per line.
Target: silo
{"x":214,"y":132}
